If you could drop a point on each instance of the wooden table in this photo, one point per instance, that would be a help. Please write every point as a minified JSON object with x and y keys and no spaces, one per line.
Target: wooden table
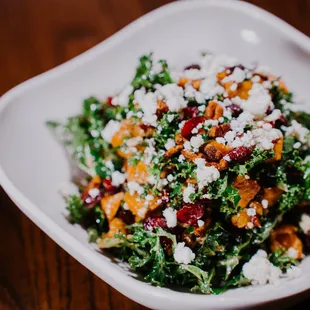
{"x":37,"y":35}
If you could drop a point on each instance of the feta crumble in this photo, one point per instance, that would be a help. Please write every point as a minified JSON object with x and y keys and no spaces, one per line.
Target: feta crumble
{"x":183,"y":254}
{"x":305,"y":223}
{"x":171,"y":217}
{"x":204,"y":174}
{"x":111,"y":128}
{"x":118,"y":178}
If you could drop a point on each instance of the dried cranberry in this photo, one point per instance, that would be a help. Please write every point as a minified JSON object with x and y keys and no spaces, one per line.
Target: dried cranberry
{"x":144,"y":127}
{"x":109,"y":101}
{"x":190,"y":125}
{"x":190,"y":112}
{"x":126,"y":216}
{"x":282,"y":121}
{"x":107,"y":185}
{"x":240,"y":153}
{"x":190,"y":213}
{"x":235,"y":110}
{"x":193,"y":66}
{"x":269,"y":110}
{"x":152,"y":222}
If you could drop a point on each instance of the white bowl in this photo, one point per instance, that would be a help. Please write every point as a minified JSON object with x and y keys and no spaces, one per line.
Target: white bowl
{"x":33,"y":164}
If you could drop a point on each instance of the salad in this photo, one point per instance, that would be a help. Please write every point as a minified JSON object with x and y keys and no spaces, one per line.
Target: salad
{"x":198,"y":178}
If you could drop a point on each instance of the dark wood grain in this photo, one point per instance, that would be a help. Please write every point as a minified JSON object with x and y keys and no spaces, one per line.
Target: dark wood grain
{"x":37,"y":35}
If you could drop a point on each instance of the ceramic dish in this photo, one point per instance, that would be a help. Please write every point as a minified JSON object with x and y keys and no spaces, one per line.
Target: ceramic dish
{"x":33,"y":164}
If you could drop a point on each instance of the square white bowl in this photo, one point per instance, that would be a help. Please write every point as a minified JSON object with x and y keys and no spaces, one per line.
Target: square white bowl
{"x":33,"y":164}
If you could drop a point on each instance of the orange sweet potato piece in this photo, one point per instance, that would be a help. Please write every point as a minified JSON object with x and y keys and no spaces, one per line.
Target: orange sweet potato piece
{"x":111,"y":204}
{"x":272,"y":195}
{"x":138,"y":173}
{"x":196,"y":84}
{"x":116,"y":226}
{"x":278,"y":148}
{"x":247,"y":188}
{"x":135,"y":203}
{"x":182,"y":82}
{"x":94,"y":183}
{"x":241,"y":219}
{"x":285,"y":237}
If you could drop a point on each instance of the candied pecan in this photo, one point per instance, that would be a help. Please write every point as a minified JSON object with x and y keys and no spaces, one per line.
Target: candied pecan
{"x":161,"y":108}
{"x":214,"y":110}
{"x":218,"y":131}
{"x":212,"y":153}
{"x":189,"y":239}
{"x":285,"y":237}
{"x":173,"y":151}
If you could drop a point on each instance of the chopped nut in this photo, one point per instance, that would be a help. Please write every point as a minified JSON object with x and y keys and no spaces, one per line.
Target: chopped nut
{"x":190,"y":156}
{"x":212,"y":153}
{"x":218,"y":131}
{"x":179,"y":139}
{"x":214,"y":111}
{"x":221,"y":165}
{"x":182,"y":82}
{"x":196,"y":84}
{"x":173,"y":151}
{"x":257,"y":206}
{"x":272,"y":195}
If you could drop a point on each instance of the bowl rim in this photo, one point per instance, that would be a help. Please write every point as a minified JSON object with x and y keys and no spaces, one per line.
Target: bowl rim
{"x":127,"y":285}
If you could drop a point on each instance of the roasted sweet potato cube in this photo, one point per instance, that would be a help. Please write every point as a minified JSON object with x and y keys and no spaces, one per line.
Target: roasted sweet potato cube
{"x":116,"y":226}
{"x":241,"y":219}
{"x":272,"y":195}
{"x":138,"y":173}
{"x":182,"y":82}
{"x":247,"y":188}
{"x":285,"y":237}
{"x":111,"y":204}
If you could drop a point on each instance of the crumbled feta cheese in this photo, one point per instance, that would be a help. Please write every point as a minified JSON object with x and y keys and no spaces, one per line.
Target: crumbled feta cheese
{"x":67,"y":189}
{"x":94,"y":192}
{"x":298,"y":131}
{"x":181,"y":158}
{"x":275,"y":115}
{"x":251,"y":212}
{"x":123,"y":98}
{"x":169,"y":144}
{"x":258,"y":101}
{"x":305,"y":223}
{"x":171,"y":217}
{"x":111,"y":128}
{"x":196,"y":142}
{"x":135,"y":187}
{"x":227,"y":158}
{"x":233,"y":87}
{"x":149,"y":197}
{"x":134,"y":141}
{"x":95,"y":133}
{"x":205,"y":175}
{"x":170,"y":118}
{"x":200,"y":223}
{"x":237,"y":76}
{"x":118,"y":178}
{"x":187,"y":192}
{"x":210,"y":88}
{"x":170,"y":177}
{"x":259,"y":270}
{"x":250,"y":225}
{"x":293,"y":272}
{"x":202,"y":108}
{"x":292,"y":253}
{"x":183,"y":254}
{"x":265,"y":203}
{"x":297,"y":145}
{"x":174,"y":97}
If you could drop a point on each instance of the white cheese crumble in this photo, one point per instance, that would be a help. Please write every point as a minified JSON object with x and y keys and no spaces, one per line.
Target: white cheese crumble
{"x":292,"y":253}
{"x":251,"y":212}
{"x":293,"y":272}
{"x":111,"y":128}
{"x":171,"y":217}
{"x":259,"y":270}
{"x":275,"y":115}
{"x":135,"y":187}
{"x":237,"y":76}
{"x":183,"y":254}
{"x":258,"y":101}
{"x":200,"y":223}
{"x":118,"y":178}
{"x":305,"y":223}
{"x":67,"y":189}
{"x":196,"y":142}
{"x":205,"y":175}
{"x":174,"y":97}
{"x":169,"y":144}
{"x":94,"y":192}
{"x":187,"y":192}
{"x":298,"y":131}
{"x":123,"y":98}
{"x":170,"y":118}
{"x":265,"y":203}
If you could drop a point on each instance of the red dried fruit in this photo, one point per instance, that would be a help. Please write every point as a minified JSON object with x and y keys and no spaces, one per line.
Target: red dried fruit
{"x":239,"y":154}
{"x":126,"y":216}
{"x":193,"y":66}
{"x":282,"y":121}
{"x":190,"y":213}
{"x":190,"y":125}
{"x":91,"y":201}
{"x":190,"y":112}
{"x":107,"y":185}
{"x":152,"y":222}
{"x":235,"y":110}
{"x":109,"y":101}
